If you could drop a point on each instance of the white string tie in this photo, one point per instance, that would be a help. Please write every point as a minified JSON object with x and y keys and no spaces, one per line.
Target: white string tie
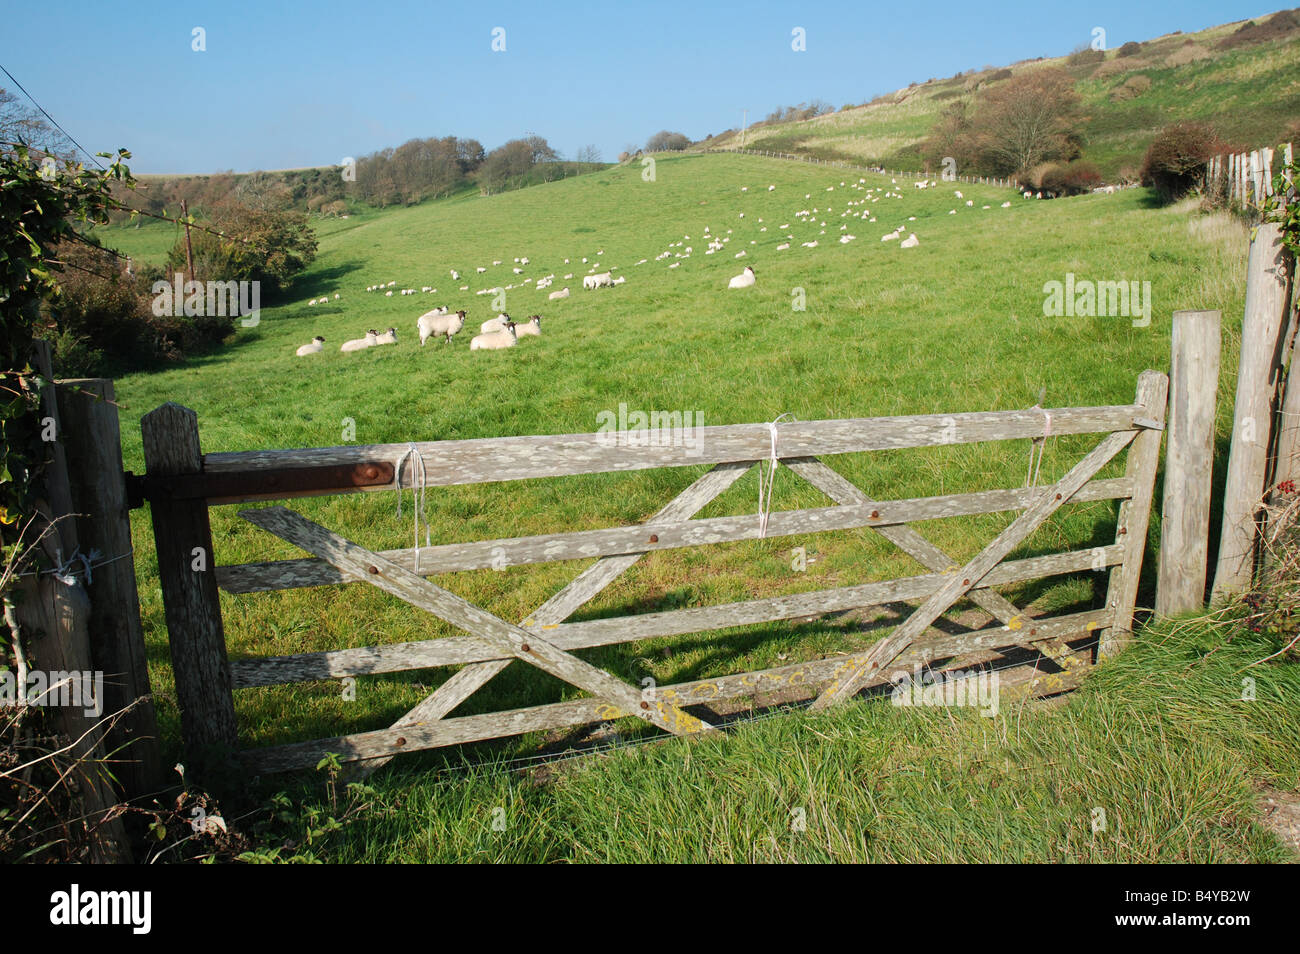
{"x":419,"y":480}
{"x":766,"y":480}
{"x":1039,"y":444}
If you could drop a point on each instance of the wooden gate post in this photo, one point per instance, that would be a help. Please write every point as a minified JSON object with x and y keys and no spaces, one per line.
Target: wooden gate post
{"x":189,"y":585}
{"x":53,"y":617}
{"x":93,"y":442}
{"x":1262,"y":333}
{"x":1135,"y":513}
{"x":1185,"y":532}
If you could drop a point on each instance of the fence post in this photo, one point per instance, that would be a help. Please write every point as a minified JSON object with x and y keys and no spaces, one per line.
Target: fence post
{"x":1189,"y":455}
{"x":1257,"y":381}
{"x":53,"y":615}
{"x":190,"y":601}
{"x":1135,"y":513}
{"x":92,"y":437}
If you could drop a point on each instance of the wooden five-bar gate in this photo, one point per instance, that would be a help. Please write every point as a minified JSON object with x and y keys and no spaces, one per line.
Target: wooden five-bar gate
{"x":182,"y":483}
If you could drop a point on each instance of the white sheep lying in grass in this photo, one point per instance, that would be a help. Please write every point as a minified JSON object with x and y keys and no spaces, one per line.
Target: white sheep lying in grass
{"x":494,"y":324}
{"x":910,"y":242}
{"x":533,"y":326}
{"x":360,"y":344}
{"x":495,"y":340}
{"x":388,"y":337}
{"x":603,"y":280}
{"x":744,"y":280}
{"x":438,"y":322}
{"x":562,"y":293}
{"x":316,"y":347}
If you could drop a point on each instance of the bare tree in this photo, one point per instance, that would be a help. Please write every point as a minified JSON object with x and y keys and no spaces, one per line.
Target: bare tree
{"x":589,"y":153}
{"x":22,"y":123}
{"x":1028,"y":119}
{"x":665,"y":141}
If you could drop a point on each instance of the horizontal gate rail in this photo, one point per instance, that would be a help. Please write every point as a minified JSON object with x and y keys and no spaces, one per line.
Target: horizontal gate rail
{"x":584,"y":544}
{"x":1058,"y":649}
{"x":483,"y":460}
{"x":459,"y":650}
{"x":480,"y":728}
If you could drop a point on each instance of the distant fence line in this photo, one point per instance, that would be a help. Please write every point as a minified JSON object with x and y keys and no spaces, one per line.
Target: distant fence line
{"x":841,"y":164}
{"x":1245,"y":179}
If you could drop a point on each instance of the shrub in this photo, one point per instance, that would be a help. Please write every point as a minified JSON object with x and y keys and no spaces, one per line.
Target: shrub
{"x":1085,"y":56}
{"x":1074,"y":178}
{"x":1131,"y":88}
{"x":666,"y":141}
{"x":1081,"y":177}
{"x":1130,"y":48}
{"x":1284,"y":23}
{"x":270,"y":246}
{"x":1176,"y":158}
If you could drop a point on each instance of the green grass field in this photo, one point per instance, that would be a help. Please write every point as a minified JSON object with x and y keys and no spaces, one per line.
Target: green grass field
{"x":1250,"y":94}
{"x":954,"y":325}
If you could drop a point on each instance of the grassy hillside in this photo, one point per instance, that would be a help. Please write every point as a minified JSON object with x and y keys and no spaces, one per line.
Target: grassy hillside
{"x":1250,"y":93}
{"x":956,"y":324}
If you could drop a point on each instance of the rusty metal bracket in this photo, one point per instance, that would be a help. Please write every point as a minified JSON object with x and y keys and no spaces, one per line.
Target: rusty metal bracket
{"x":239,"y":487}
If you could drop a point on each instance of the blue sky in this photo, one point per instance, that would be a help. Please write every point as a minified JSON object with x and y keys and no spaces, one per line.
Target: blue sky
{"x":284,"y":85}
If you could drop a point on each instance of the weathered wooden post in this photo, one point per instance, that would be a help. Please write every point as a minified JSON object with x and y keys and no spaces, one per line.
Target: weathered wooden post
{"x":53,"y":616}
{"x":190,"y":600}
{"x":1135,"y":513}
{"x":1257,"y":384}
{"x":1189,"y":455}
{"x":93,"y":443}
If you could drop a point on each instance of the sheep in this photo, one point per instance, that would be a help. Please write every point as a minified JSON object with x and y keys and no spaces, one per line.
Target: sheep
{"x":1006,"y":205}
{"x":744,"y":280}
{"x":359,"y":344}
{"x":910,"y":242}
{"x":562,"y":293}
{"x":603,"y":280}
{"x":531,"y":327}
{"x":494,"y":324}
{"x":439,"y":323}
{"x":957,"y":193}
{"x":387,"y":338}
{"x":316,"y":347}
{"x":782,"y":248}
{"x":388,"y":294}
{"x":495,"y":340}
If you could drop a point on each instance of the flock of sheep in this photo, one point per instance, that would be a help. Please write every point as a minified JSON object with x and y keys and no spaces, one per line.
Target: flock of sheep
{"x":502,"y":332}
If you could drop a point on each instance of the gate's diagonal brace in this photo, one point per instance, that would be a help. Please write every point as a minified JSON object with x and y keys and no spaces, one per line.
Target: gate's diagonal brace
{"x":850,"y":675}
{"x":362,"y":564}
{"x":845,"y":492}
{"x":469,"y":679}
